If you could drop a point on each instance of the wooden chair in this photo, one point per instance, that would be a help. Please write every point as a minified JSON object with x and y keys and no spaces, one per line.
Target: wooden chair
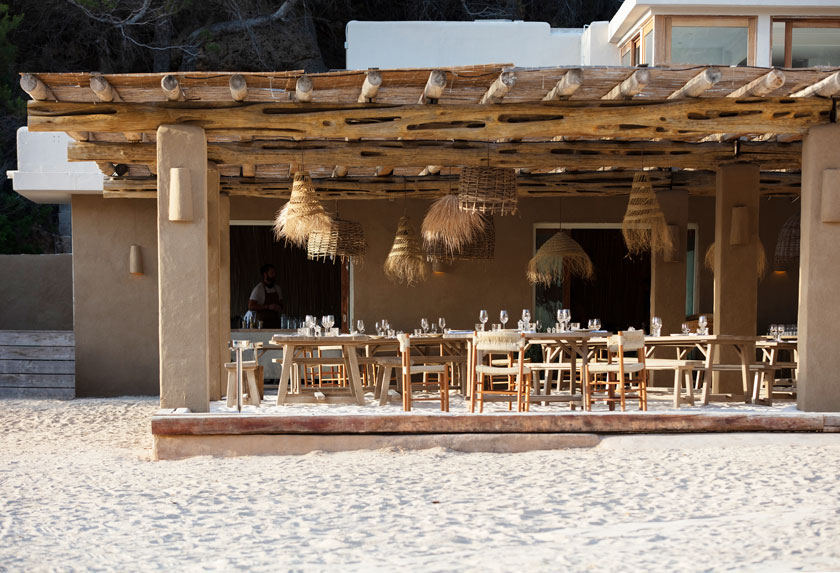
{"x":684,"y":371}
{"x":618,"y":371}
{"x":422,"y":365}
{"x":516,"y":382}
{"x":253,"y":374}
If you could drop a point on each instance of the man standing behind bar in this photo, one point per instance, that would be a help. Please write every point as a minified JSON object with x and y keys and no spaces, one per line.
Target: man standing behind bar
{"x":266,"y":299}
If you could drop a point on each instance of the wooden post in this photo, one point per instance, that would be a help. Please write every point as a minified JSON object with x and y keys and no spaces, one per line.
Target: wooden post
{"x":698,"y":84}
{"x":238,"y":87}
{"x":566,"y":86}
{"x":761,"y":86}
{"x":172,"y":88}
{"x":303,"y":89}
{"x":103,"y":90}
{"x":434,"y":87}
{"x":630,"y":86}
{"x":36,"y":89}
{"x":827,"y":87}
{"x":499,"y":88}
{"x":373,"y":79}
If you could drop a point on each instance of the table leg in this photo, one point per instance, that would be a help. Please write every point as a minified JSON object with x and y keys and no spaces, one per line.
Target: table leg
{"x":707,"y":373}
{"x":355,"y":378}
{"x":285,"y":374}
{"x":746,"y":381}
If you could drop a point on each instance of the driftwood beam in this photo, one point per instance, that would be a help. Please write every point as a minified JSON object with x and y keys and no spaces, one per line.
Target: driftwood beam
{"x":340,"y":171}
{"x":631,"y":86}
{"x":827,"y":87}
{"x":384,"y":170}
{"x":761,"y":86}
{"x":172,"y":88}
{"x":537,"y":155}
{"x":698,"y":84}
{"x":566,"y":86}
{"x":103,"y":89}
{"x":682,"y":119}
{"x":238,"y":87}
{"x":373,"y":79}
{"x":303,"y":89}
{"x":434,"y":87}
{"x":499,"y":88}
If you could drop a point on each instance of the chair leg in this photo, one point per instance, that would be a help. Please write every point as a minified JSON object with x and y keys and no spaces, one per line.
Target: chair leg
{"x":253,"y":389}
{"x":689,"y":388}
{"x":677,"y":387}
{"x":643,"y":391}
{"x":231,"y":388}
{"x":481,"y":393}
{"x":443,"y":378}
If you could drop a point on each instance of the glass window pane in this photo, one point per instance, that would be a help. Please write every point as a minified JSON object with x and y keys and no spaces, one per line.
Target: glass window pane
{"x":816,"y":47}
{"x":709,"y":46}
{"x":649,"y":48}
{"x":625,"y":59}
{"x":637,"y":52}
{"x":778,"y":39}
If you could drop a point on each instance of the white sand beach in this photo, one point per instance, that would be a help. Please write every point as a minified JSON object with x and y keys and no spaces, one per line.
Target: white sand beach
{"x":79,"y":491}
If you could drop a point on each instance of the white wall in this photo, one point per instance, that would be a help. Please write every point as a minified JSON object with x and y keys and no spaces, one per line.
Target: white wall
{"x":596,"y":49}
{"x":439,"y":44}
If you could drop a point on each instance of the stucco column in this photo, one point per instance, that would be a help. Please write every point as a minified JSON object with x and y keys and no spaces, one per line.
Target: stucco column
{"x":214,"y":237}
{"x":667,"y":274}
{"x":818,"y":388}
{"x":736,"y":252}
{"x":224,"y":288}
{"x":184,"y":268}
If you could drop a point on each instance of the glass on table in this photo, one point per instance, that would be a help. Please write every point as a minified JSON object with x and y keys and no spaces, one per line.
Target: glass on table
{"x":442,"y":324}
{"x":703,"y":325}
{"x":483,"y":317}
{"x":503,"y":317}
{"x":526,"y":316}
{"x":686,"y":329}
{"x":655,"y":326}
{"x":360,"y":326}
{"x":424,"y":324}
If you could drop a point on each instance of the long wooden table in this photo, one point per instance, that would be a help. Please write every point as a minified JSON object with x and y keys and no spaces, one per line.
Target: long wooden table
{"x":744,"y":346}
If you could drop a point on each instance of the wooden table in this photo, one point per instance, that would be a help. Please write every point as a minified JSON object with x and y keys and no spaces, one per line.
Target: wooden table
{"x":576,"y":344}
{"x":744,"y":346}
{"x":771,"y":351}
{"x":348,"y":344}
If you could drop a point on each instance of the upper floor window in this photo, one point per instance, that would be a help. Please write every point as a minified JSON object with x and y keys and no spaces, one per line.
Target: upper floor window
{"x":805,"y":42}
{"x":714,"y":41}
{"x":639,"y":50}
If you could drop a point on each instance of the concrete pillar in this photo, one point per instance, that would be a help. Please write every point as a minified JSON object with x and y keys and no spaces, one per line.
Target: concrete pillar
{"x":736,"y":280}
{"x":819,"y":273}
{"x":667,"y":274}
{"x":184,"y":268}
{"x":224,"y":288}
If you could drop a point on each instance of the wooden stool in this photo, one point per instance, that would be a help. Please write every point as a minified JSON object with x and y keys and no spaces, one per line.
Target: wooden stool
{"x":252,"y":373}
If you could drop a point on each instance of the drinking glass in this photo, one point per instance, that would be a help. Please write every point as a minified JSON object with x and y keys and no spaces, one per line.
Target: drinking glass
{"x":360,"y":326}
{"x":590,"y":324}
{"x":567,"y":318}
{"x":596,"y":322}
{"x":483,"y":317}
{"x":424,"y":324}
{"x":655,"y":326}
{"x":526,"y":316}
{"x":378,"y":326}
{"x":442,"y":324}
{"x":703,"y":324}
{"x":330,"y":320}
{"x":559,"y":315}
{"x":385,"y":324}
{"x":503,"y":317}
{"x":685,"y":328}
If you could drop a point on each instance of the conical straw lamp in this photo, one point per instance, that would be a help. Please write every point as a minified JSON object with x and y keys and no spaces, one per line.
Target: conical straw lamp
{"x":447,"y":226}
{"x":558,"y":254}
{"x":644,"y":227}
{"x":481,"y":247}
{"x":406,"y":262}
{"x":760,"y":261}
{"x":345,"y":240}
{"x":787,"y":245}
{"x":302,"y":215}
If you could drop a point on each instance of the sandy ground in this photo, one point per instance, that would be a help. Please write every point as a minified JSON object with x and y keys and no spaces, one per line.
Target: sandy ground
{"x":79,"y":491}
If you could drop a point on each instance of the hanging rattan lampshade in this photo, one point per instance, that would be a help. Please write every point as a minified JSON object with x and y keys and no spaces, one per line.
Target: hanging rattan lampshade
{"x":447,"y":226}
{"x":488,"y":190}
{"x":406,"y":262}
{"x":644,"y":227}
{"x":302,"y":215}
{"x":787,"y":245}
{"x":760,"y":261}
{"x":558,"y":254}
{"x":481,"y":247}
{"x":345,"y":240}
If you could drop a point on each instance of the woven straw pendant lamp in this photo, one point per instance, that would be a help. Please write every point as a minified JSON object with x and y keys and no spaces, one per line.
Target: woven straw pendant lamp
{"x":488,"y":190}
{"x":481,"y":247}
{"x":760,"y":260}
{"x":557,"y":254}
{"x":302,"y":215}
{"x":447,"y":227}
{"x":787,"y":245}
{"x":406,"y":262}
{"x":644,"y":227}
{"x":345,"y":240}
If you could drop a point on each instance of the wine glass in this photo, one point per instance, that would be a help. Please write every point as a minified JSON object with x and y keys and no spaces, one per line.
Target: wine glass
{"x":378,"y":326}
{"x":424,"y":324}
{"x":360,"y":326}
{"x":331,"y":320}
{"x":685,"y":328}
{"x":703,"y":324}
{"x":526,"y":317}
{"x":483,"y":317}
{"x":597,"y":323}
{"x":655,"y":326}
{"x":503,"y":317}
{"x":567,"y":318}
{"x":442,"y":324}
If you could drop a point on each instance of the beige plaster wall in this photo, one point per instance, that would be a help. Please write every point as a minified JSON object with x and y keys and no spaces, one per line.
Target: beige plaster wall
{"x":116,"y":318}
{"x":36,"y":292}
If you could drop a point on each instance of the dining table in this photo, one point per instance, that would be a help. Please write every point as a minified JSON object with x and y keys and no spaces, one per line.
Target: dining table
{"x":577,"y":345}
{"x":710,"y":347}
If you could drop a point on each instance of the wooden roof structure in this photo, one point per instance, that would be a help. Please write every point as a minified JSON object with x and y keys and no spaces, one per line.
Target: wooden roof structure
{"x":384,"y":133}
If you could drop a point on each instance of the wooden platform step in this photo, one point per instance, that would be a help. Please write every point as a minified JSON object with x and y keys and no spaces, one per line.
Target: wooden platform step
{"x":37,"y":364}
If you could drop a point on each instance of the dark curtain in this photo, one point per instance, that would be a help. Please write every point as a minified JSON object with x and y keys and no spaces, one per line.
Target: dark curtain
{"x":308,"y":287}
{"x":620,"y":292}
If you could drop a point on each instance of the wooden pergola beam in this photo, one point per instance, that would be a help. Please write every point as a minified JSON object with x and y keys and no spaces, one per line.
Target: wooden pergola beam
{"x":761,"y":86}
{"x":36,"y":89}
{"x":303,"y":89}
{"x":827,"y":87}
{"x":434,"y":87}
{"x":579,"y":154}
{"x":593,"y":183}
{"x":499,"y":88}
{"x":172,"y":88}
{"x":631,"y":86}
{"x":565,"y":86}
{"x":370,"y":87}
{"x":673,"y":119}
{"x":238,"y":87}
{"x":698,"y":84}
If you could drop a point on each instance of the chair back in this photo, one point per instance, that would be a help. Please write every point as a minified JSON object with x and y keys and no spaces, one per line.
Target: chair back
{"x":405,"y":343}
{"x":500,"y":341}
{"x":626,"y":340}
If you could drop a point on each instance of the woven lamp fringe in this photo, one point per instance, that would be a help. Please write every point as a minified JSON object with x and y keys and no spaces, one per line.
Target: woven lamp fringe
{"x":644,"y":227}
{"x":760,"y":262}
{"x":558,"y":254}
{"x":488,"y":190}
{"x":447,"y":225}
{"x":345,"y":240}
{"x":787,"y":245}
{"x":302,"y":215}
{"x":406,"y":262}
{"x":482,"y":247}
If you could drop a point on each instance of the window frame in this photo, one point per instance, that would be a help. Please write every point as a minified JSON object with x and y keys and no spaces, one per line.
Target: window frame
{"x":793,"y":22}
{"x":665,"y":24}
